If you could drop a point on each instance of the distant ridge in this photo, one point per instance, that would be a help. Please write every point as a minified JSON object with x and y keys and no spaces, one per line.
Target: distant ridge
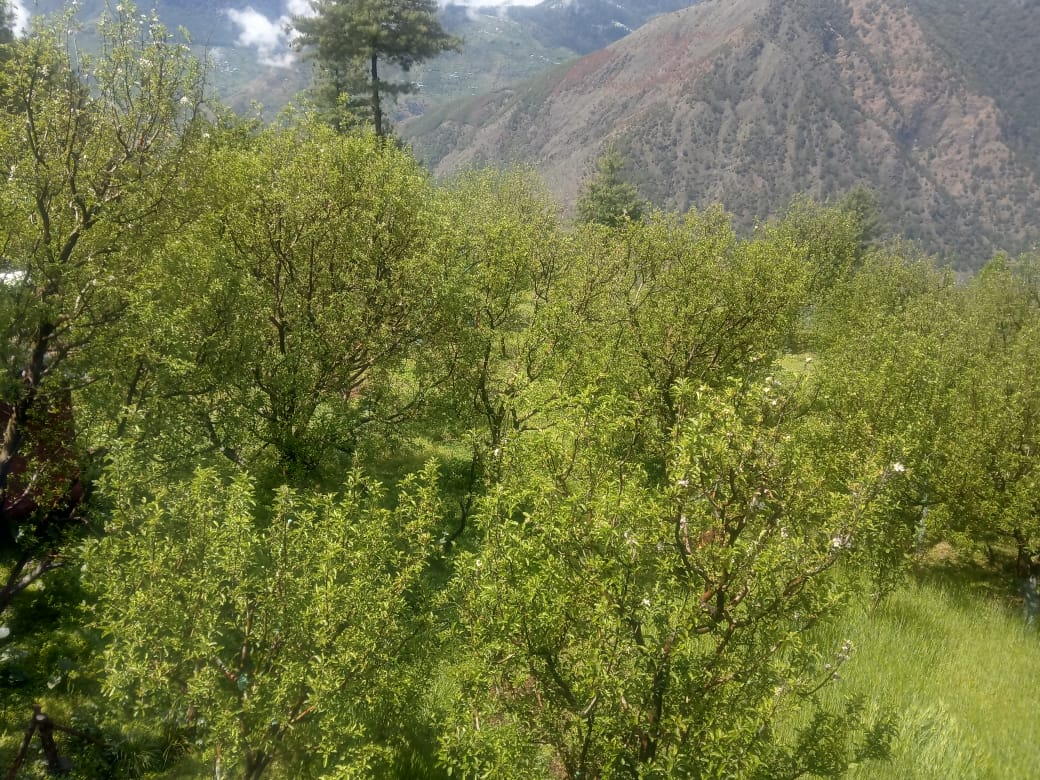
{"x":933,"y":103}
{"x":501,"y":45}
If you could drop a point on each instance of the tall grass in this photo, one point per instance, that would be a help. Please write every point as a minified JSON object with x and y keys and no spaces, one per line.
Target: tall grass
{"x":961,"y":673}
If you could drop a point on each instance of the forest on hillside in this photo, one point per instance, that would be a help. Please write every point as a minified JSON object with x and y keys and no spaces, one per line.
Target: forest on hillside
{"x":314,"y":466}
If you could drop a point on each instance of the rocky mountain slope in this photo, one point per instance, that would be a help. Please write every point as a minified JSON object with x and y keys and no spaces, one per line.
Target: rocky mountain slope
{"x":933,"y":103}
{"x":583,"y":26}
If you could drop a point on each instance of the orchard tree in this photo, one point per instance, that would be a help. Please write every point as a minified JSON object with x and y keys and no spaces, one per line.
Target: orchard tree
{"x":991,"y":457}
{"x":331,"y":242}
{"x":693,"y":302}
{"x":281,"y":329}
{"x":890,"y":348}
{"x":90,"y":149}
{"x":350,"y":39}
{"x":509,"y":304}
{"x":279,"y":633}
{"x":831,"y":236}
{"x":623,"y":627}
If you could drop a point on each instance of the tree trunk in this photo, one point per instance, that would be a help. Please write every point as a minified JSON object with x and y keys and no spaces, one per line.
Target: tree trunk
{"x":24,"y":572}
{"x":377,"y":110}
{"x":32,"y":377}
{"x":256,"y":765}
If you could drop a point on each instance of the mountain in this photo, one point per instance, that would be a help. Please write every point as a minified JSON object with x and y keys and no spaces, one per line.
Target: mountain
{"x":932,"y":103}
{"x":583,"y":26}
{"x":507,"y":44}
{"x":247,"y":42}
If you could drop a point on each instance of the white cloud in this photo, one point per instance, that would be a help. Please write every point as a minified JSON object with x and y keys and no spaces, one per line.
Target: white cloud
{"x":21,"y":17}
{"x":270,"y":37}
{"x":257,"y":30}
{"x":298,"y":8}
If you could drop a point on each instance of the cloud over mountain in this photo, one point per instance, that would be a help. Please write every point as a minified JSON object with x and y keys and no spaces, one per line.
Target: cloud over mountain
{"x":269,"y":36}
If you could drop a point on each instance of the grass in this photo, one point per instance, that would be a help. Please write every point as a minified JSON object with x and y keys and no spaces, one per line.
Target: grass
{"x":950,"y":656}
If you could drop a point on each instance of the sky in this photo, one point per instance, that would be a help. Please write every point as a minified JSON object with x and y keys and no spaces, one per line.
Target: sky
{"x":270,"y":37}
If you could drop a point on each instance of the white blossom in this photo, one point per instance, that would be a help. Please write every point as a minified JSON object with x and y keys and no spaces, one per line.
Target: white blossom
{"x":841,"y":542}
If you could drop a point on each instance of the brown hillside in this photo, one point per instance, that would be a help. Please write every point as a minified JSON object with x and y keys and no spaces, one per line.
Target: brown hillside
{"x":749,"y":102}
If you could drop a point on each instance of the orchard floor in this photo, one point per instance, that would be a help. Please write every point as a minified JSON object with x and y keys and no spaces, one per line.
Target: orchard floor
{"x":950,"y":656}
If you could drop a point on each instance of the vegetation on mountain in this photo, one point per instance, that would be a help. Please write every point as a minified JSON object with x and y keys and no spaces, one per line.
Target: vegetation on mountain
{"x":753,"y":102}
{"x":589,"y":25}
{"x":391,"y":477}
{"x":606,"y":198}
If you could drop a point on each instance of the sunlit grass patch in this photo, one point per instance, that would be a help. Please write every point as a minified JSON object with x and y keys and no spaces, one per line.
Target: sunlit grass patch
{"x":961,"y":674}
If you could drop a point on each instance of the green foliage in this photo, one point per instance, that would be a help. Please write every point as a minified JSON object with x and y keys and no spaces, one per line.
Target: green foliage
{"x":333,"y":281}
{"x":834,"y":237}
{"x":990,"y":455}
{"x":6,"y":25}
{"x":509,"y":338}
{"x":689,"y":301}
{"x":270,"y":634}
{"x":617,"y":619}
{"x":886,"y":365}
{"x":90,"y":149}
{"x":864,"y":205}
{"x":280,"y":329}
{"x":606,"y":198}
{"x":651,"y":517}
{"x":937,"y":378}
{"x":349,"y":38}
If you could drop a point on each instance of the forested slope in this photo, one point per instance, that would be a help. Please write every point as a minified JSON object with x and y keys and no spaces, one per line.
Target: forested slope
{"x":751,"y":102}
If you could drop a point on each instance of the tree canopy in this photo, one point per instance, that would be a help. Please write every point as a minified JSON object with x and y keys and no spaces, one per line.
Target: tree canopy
{"x":351,"y":39}
{"x":6,"y":24}
{"x":606,"y":198}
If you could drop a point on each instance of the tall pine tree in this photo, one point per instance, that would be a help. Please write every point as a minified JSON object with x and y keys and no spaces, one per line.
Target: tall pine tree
{"x":351,"y":39}
{"x":606,"y":198}
{"x":6,"y":24}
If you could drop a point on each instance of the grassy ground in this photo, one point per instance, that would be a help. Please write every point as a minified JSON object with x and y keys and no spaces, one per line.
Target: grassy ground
{"x":950,"y":655}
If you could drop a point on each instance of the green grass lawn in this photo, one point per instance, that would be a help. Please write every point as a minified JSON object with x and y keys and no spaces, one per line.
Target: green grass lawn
{"x":950,"y":656}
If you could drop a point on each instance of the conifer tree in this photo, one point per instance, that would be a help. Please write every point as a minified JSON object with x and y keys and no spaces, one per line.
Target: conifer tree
{"x":606,"y":198}
{"x":6,"y":24}
{"x":351,"y":38}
